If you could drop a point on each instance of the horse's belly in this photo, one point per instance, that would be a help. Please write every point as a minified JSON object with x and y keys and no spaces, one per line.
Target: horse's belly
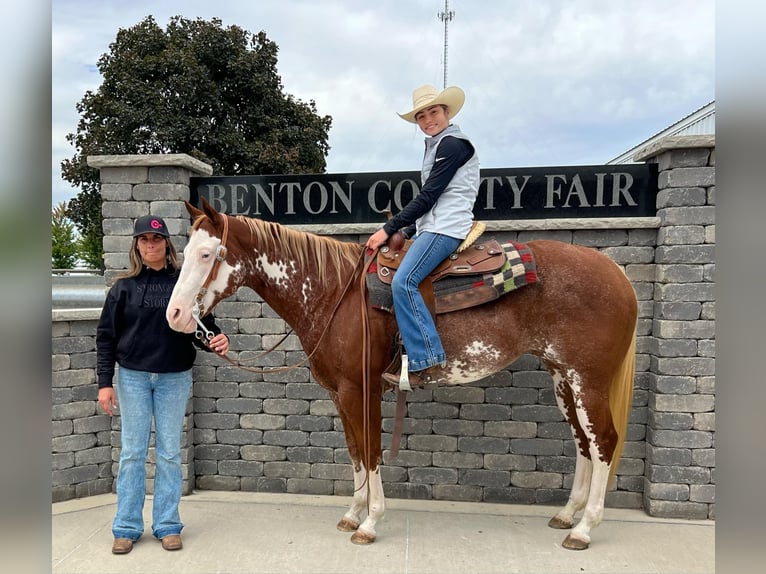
{"x":476,"y":361}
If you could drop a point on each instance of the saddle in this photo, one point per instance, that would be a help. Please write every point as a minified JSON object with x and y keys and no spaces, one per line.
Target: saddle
{"x":476,"y":259}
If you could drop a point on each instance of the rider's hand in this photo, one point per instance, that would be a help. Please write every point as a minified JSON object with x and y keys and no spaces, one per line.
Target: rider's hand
{"x":377,"y":239}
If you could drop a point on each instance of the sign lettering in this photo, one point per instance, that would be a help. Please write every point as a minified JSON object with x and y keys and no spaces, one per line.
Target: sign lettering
{"x":628,"y":190}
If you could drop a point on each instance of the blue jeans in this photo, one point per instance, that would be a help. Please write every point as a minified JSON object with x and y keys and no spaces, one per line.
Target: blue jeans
{"x":416,"y":326}
{"x":141,"y":395}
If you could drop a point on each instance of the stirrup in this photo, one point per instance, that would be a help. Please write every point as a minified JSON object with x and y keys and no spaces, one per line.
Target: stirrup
{"x":404,"y":375}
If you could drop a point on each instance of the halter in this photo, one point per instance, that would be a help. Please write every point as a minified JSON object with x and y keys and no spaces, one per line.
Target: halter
{"x":220,"y":257}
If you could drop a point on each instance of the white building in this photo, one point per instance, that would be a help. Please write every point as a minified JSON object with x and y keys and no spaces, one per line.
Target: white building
{"x":699,"y":122}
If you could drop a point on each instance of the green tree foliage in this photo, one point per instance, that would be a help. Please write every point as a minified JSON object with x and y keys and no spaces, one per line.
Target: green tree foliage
{"x":197,"y":88}
{"x":64,"y":245}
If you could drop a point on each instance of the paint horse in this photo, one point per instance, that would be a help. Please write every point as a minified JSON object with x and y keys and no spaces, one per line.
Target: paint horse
{"x":579,"y":319}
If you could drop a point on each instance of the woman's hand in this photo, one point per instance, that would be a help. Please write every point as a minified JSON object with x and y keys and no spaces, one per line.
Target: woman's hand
{"x":107,"y":399}
{"x":377,"y":239}
{"x":219,"y":344}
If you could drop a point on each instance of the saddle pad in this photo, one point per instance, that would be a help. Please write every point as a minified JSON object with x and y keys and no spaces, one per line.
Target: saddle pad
{"x":451,"y":292}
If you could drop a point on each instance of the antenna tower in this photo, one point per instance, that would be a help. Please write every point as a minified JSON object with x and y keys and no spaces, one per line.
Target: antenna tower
{"x":446,"y":17}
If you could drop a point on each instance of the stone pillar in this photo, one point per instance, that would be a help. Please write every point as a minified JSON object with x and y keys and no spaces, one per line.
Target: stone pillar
{"x":132,"y":186}
{"x":679,"y":479}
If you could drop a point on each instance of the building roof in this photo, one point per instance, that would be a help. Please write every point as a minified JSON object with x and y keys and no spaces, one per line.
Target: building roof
{"x":700,"y":122}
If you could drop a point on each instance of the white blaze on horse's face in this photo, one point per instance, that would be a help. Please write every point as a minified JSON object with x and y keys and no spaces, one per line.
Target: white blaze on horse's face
{"x":199,"y":257}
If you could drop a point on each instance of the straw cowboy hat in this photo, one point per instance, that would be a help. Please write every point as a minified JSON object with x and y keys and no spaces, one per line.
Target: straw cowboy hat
{"x":427,"y":96}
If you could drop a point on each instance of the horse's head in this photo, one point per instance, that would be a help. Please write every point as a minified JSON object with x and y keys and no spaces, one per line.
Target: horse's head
{"x":206,"y":275}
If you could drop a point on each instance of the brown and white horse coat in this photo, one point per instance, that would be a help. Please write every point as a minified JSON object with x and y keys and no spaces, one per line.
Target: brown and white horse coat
{"x":579,"y":319}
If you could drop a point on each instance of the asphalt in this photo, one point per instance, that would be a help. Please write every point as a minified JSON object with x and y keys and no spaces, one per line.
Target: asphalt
{"x":242,"y":532}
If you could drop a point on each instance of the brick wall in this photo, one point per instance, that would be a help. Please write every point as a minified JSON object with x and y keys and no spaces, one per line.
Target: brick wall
{"x":680,"y":442}
{"x":81,"y":451}
{"x":501,"y":439}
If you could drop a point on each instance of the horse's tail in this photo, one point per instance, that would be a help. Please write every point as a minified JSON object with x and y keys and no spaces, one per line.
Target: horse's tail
{"x":620,"y":402}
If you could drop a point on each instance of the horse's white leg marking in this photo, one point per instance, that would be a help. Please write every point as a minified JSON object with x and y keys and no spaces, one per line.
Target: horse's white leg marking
{"x":376,"y":507}
{"x":583,"y":469}
{"x":594,"y":507}
{"x":353,"y":516}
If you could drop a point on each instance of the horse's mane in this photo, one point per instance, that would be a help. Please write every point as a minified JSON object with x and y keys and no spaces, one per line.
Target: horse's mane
{"x":328,"y":253}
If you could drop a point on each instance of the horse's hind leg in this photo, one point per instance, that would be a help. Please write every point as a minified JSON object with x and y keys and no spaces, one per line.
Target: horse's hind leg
{"x":595,"y":437}
{"x":595,"y":423}
{"x":583,"y":468}
{"x":579,"y":537}
{"x":577,"y":497}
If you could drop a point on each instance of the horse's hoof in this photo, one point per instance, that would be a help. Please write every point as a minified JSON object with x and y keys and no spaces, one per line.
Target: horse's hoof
{"x":347,"y":525}
{"x":559,"y":523}
{"x":362,"y":538}
{"x":572,"y":543}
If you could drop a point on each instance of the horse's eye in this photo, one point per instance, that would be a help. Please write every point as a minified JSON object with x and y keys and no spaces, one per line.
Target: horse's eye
{"x":206,"y":255}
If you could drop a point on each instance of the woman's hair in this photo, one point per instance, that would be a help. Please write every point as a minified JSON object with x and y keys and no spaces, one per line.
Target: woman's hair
{"x":171,"y":259}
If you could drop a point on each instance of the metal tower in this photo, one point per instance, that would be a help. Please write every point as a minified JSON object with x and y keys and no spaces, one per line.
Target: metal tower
{"x":446,"y":17}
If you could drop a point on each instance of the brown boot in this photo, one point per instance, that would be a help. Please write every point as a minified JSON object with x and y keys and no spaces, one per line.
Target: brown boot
{"x":122,"y":546}
{"x":172,"y":542}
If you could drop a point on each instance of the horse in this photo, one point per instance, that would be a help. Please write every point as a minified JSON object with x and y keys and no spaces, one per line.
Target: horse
{"x":579,"y":319}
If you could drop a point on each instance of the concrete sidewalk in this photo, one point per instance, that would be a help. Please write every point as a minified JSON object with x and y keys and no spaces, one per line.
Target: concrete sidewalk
{"x":243,"y":532}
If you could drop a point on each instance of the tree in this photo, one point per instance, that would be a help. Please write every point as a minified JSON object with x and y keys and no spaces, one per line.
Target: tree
{"x":64,"y":245}
{"x":197,"y":88}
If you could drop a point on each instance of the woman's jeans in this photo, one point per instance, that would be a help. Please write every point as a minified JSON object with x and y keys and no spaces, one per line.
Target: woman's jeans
{"x":416,"y":326}
{"x":141,"y":395}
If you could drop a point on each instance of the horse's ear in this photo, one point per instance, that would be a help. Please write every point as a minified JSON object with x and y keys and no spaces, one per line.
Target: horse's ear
{"x":193,"y":211}
{"x":209,"y":210}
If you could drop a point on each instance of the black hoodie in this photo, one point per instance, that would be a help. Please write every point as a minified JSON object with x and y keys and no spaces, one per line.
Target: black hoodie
{"x":134,"y":332}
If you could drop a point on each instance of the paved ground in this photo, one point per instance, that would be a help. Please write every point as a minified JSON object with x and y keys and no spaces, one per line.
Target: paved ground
{"x":241,"y":532}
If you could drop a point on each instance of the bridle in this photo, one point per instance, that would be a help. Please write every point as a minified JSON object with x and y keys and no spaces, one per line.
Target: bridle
{"x":220,"y":256}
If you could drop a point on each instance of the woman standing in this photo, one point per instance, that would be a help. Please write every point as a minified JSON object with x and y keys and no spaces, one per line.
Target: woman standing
{"x":442,"y":213}
{"x":154,"y":380}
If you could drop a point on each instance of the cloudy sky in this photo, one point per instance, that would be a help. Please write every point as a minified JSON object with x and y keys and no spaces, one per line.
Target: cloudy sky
{"x":547,"y":82}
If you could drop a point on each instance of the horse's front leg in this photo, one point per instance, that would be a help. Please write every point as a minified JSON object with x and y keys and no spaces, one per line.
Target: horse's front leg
{"x":376,"y":508}
{"x":353,"y":517}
